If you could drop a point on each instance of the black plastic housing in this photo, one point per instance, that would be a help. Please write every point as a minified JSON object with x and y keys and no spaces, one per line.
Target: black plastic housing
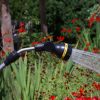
{"x":58,"y":49}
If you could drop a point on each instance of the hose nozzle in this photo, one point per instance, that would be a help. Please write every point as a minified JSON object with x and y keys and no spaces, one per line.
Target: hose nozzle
{"x":63,"y":50}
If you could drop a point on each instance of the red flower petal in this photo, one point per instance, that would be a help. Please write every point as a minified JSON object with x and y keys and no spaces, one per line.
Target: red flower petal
{"x":81,"y":90}
{"x":67,"y":98}
{"x":95,"y":50}
{"x":20,"y":30}
{"x":74,"y":20}
{"x":2,"y":53}
{"x":85,"y":49}
{"x":95,"y":98}
{"x":97,"y":19}
{"x":63,"y":30}
{"x":96,"y":85}
{"x":52,"y":98}
{"x":34,"y":43}
{"x":78,"y":29}
{"x":22,"y":24}
{"x":69,"y":30}
{"x":60,"y":38}
{"x":44,"y":39}
{"x":83,"y":98}
{"x":76,"y":94}
{"x":88,"y":44}
{"x":91,"y":20}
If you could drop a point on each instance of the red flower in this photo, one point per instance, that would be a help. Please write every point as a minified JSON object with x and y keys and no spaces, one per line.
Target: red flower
{"x":44,"y":39}
{"x":81,"y":90}
{"x":52,"y":97}
{"x":80,"y":98}
{"x":91,"y":20}
{"x":76,"y":94}
{"x":63,"y":30}
{"x":60,"y":38}
{"x":9,"y":40}
{"x":95,"y":50}
{"x":66,"y":30}
{"x":95,"y":98}
{"x":87,"y":98}
{"x":97,"y":19}
{"x":22,"y":29}
{"x":2,"y":53}
{"x":34,"y":43}
{"x":96,"y":85}
{"x":74,"y":20}
{"x":85,"y":49}
{"x":78,"y":29}
{"x":69,"y":30}
{"x":88,"y":44}
{"x":22,"y":24}
{"x":83,"y":98}
{"x":67,"y":98}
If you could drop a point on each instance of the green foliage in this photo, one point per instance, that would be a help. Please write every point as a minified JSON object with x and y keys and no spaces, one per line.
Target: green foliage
{"x":24,"y":10}
{"x":29,"y":10}
{"x":68,"y":10}
{"x":97,"y":39}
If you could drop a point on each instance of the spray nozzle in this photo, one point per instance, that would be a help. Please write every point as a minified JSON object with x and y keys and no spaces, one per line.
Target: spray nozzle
{"x":61,"y":50}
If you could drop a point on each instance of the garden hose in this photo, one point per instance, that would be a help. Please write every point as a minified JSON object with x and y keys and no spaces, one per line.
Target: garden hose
{"x":63,"y":51}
